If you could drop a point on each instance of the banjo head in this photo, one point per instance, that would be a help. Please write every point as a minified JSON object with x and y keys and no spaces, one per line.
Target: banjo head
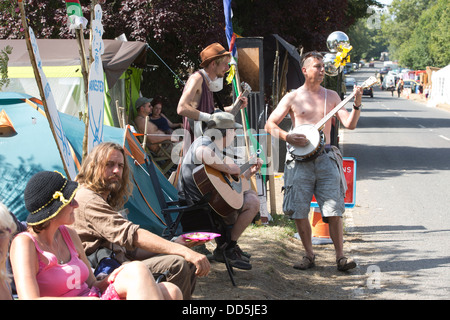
{"x":312,"y":134}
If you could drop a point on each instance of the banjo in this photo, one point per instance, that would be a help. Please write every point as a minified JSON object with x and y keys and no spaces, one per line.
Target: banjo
{"x":314,"y":133}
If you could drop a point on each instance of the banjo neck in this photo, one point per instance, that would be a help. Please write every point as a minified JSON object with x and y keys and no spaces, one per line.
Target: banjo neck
{"x":319,"y":126}
{"x":368,"y":83}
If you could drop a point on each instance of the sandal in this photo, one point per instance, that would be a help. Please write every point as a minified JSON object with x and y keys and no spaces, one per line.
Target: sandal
{"x":344,"y":264}
{"x":306,"y":263}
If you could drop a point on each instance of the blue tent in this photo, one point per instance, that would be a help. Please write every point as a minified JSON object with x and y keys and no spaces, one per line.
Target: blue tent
{"x":32,"y":148}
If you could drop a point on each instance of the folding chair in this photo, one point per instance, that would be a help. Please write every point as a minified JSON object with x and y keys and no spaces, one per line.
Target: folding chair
{"x":163,"y":159}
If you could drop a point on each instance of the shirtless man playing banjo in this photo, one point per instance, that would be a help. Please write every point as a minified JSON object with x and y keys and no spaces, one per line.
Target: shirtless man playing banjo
{"x":308,"y":155}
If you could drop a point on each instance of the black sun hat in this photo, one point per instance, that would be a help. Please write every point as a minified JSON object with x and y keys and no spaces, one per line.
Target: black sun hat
{"x":46,"y":194}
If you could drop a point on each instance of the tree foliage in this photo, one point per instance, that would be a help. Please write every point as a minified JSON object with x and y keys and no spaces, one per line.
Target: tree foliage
{"x":177,"y":30}
{"x":418,"y":33}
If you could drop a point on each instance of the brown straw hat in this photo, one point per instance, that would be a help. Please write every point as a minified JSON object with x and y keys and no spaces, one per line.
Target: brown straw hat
{"x":212,"y":52}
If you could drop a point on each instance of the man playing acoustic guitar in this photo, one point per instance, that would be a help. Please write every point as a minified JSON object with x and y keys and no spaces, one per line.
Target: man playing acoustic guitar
{"x":207,"y":151}
{"x":317,"y":174}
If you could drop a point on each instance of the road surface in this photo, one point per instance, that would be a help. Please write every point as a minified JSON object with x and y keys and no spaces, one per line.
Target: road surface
{"x":402,"y":210}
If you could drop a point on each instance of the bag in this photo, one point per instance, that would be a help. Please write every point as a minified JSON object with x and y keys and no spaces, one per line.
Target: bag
{"x":103,"y":261}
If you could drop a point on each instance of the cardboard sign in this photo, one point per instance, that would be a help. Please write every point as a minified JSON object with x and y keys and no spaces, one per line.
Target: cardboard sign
{"x":349,"y":167}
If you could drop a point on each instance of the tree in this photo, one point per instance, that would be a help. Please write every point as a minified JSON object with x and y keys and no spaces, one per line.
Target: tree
{"x":178,"y":29}
{"x":418,"y":33}
{"x":4,"y":81}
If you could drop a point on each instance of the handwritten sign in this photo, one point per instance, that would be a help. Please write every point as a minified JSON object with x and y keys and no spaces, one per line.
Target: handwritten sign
{"x":96,"y":84}
{"x":61,"y":139}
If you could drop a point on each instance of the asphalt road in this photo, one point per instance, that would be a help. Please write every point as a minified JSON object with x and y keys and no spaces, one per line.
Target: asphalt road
{"x":401,"y":217}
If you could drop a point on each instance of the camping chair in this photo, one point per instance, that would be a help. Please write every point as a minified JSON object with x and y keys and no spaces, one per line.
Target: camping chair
{"x":163,"y":159}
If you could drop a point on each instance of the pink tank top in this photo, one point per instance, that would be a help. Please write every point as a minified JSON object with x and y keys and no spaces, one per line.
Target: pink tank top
{"x":61,"y":280}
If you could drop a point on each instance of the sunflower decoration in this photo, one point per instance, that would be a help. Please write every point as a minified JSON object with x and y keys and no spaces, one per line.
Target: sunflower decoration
{"x":342,"y":56}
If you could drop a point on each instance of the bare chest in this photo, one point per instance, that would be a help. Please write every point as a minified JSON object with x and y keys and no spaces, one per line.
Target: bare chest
{"x":309,"y":109}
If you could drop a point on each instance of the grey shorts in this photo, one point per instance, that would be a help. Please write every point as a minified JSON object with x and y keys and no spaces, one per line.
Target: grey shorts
{"x":319,"y":177}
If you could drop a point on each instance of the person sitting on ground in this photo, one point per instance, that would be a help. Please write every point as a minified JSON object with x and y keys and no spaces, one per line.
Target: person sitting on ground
{"x":160,"y":120}
{"x":49,"y":261}
{"x":207,"y":150}
{"x":7,"y":229}
{"x":105,"y":186}
{"x":154,"y":136}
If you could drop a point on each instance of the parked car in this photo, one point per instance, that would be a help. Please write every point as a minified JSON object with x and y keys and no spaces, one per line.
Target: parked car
{"x":367,"y":91}
{"x":412,"y":84}
{"x":385,"y":70}
{"x":350,"y":82}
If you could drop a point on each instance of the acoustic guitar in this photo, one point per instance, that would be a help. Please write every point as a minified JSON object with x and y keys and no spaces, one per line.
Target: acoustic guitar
{"x":226,"y":191}
{"x":314,"y":132}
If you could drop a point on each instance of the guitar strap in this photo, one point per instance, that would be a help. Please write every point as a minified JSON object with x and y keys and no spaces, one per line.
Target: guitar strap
{"x":325,"y":106}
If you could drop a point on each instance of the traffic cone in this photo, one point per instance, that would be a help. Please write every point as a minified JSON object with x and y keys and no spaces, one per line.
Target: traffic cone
{"x":320,"y":230}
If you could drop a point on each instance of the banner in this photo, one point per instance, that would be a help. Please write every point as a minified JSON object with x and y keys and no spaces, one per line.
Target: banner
{"x":231,"y":37}
{"x":96,"y":84}
{"x":61,"y":139}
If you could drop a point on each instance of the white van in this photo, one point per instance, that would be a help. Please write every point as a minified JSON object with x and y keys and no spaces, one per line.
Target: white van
{"x":388,"y":81}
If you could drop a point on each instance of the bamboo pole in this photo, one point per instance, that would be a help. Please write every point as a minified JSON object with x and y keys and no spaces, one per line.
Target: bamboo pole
{"x":39,"y":81}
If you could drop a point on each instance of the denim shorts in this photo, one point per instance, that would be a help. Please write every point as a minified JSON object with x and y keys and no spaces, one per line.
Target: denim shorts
{"x":319,"y":177}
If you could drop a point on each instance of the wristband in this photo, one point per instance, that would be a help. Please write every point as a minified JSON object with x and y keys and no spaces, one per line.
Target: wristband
{"x":203,"y":116}
{"x":357,"y":108}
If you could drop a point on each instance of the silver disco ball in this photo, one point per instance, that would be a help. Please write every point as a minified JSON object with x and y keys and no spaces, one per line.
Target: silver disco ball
{"x":330,"y":68}
{"x":336,"y":39}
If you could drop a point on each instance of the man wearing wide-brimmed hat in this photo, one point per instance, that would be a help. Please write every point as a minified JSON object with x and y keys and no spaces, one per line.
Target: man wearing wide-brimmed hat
{"x":197,"y":100}
{"x":208,"y":150}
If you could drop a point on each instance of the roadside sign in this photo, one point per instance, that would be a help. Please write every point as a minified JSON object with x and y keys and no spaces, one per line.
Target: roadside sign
{"x":349,"y":167}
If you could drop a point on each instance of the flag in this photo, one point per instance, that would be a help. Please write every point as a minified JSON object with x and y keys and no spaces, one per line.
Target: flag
{"x":231,"y":37}
{"x":75,"y":13}
{"x":96,"y":83}
{"x":53,"y":115}
{"x":74,"y":8}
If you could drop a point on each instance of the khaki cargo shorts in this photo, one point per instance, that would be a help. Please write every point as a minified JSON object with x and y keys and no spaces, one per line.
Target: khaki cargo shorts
{"x":320,"y":177}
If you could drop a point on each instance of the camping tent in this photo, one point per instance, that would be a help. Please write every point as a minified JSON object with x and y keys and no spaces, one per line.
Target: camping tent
{"x":62,"y":67}
{"x":31,"y":148}
{"x":440,"y":91}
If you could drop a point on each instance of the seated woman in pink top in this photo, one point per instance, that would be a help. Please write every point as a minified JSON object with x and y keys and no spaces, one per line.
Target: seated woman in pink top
{"x":48,"y":260}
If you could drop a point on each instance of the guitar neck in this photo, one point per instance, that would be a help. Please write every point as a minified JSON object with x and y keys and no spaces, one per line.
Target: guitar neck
{"x":238,"y":103}
{"x":321,"y":123}
{"x":245,"y":167}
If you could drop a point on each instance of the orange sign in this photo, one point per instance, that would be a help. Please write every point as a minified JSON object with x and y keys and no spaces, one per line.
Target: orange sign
{"x":349,"y":167}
